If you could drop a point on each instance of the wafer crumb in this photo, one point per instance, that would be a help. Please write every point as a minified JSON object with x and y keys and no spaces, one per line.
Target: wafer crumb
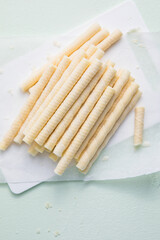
{"x":10,"y":91}
{"x":56,"y":44}
{"x":141,"y":45}
{"x":11,"y":47}
{"x":133,"y":30}
{"x":33,"y":68}
{"x":38,"y":231}
{"x":48,"y":205}
{"x":6,"y":118}
{"x":135,"y":41}
{"x":56,"y":234}
{"x":146,"y":144}
{"x":49,"y":230}
{"x":59,"y":210}
{"x":49,"y":57}
{"x":105,"y":158}
{"x":137,"y":67}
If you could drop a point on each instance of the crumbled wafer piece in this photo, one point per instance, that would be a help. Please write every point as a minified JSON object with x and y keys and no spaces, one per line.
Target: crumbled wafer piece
{"x":146,"y":144}
{"x":11,"y":47}
{"x":105,"y":158}
{"x":48,"y":205}
{"x":38,"y":231}
{"x":56,"y":234}
{"x":56,"y":43}
{"x":10,"y":91}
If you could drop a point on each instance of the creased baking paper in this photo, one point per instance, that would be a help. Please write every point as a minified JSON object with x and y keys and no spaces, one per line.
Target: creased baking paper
{"x":138,"y":52}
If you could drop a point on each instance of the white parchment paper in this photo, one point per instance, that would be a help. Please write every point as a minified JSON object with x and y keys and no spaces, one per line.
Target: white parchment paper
{"x":22,"y":171}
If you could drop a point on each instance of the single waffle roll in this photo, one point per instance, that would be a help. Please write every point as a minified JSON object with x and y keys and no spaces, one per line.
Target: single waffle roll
{"x":138,"y":126}
{"x":53,"y":157}
{"x":32,"y":150}
{"x":110,"y":40}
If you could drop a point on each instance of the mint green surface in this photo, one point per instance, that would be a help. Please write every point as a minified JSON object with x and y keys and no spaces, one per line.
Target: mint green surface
{"x":110,"y":210}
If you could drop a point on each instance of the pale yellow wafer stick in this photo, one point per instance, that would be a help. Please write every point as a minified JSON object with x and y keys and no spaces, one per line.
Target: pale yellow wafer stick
{"x":114,"y":80}
{"x":84,"y":111}
{"x":56,"y":101}
{"x":31,"y":89}
{"x":19,"y":137}
{"x":35,"y":148}
{"x":110,"y":63}
{"x":73,"y":46}
{"x":25,"y":110}
{"x":129,"y":107}
{"x":33,"y":78}
{"x":98,"y":54}
{"x":68,"y":102}
{"x":56,"y":88}
{"x":110,"y":40}
{"x":94,"y":53}
{"x":99,"y":37}
{"x":120,"y":83}
{"x":106,"y":127}
{"x":39,"y":149}
{"x":120,"y":95}
{"x":138,"y":126}
{"x":53,"y":157}
{"x":59,"y":131}
{"x":76,"y":53}
{"x":84,"y":130}
{"x":52,"y":82}
{"x":96,"y":39}
{"x":32,"y":150}
{"x":91,"y":50}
